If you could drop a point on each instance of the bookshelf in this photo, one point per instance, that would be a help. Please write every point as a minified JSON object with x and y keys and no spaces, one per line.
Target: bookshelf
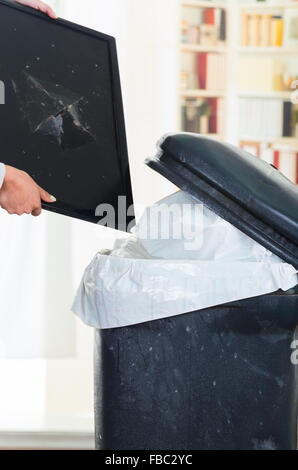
{"x":265,"y":46}
{"x":256,"y":77}
{"x":199,"y":48}
{"x":204,"y":4}
{"x":203,"y":50}
{"x":283,"y":95}
{"x":196,"y":93}
{"x":267,"y":50}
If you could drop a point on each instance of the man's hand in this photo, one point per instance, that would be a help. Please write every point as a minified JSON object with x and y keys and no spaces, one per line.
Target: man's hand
{"x":20,"y":194}
{"x":38,"y":5}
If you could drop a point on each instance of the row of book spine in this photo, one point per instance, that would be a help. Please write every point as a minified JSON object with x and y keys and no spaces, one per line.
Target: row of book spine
{"x":205,"y":26}
{"x":282,"y":157}
{"x":262,"y":30}
{"x":211,"y":71}
{"x":203,"y":116}
{"x":272,"y":118}
{"x":204,"y":71}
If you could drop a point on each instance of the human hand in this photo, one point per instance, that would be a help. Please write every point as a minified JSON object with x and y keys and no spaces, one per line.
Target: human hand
{"x":21,"y":195}
{"x":38,"y":5}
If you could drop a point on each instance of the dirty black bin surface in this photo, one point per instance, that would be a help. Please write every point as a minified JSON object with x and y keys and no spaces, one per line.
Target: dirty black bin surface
{"x":220,"y":377}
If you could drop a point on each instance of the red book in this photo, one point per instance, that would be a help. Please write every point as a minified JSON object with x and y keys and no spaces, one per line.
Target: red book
{"x":209,"y":16}
{"x":202,"y":71}
{"x":213,"y":116}
{"x":276,"y":159}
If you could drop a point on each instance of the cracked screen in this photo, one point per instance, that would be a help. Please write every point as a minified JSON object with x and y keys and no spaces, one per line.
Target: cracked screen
{"x":60,"y":121}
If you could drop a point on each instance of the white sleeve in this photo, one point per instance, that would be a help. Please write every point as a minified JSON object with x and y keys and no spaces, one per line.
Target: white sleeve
{"x":2,"y":173}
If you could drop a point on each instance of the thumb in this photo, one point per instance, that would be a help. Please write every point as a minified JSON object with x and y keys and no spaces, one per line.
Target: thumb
{"x":51,"y":13}
{"x":46,"y":197}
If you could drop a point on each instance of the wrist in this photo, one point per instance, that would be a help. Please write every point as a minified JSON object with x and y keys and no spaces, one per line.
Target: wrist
{"x":11,"y":175}
{"x":10,"y":179}
{"x":2,"y":174}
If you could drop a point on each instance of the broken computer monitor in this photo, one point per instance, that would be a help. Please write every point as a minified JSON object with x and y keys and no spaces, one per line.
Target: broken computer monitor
{"x":62,"y":121}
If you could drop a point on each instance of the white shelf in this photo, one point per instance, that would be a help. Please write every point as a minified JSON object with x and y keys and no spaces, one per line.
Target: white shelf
{"x":214,"y":136}
{"x":288,"y":141}
{"x":268,"y":6}
{"x":284,"y":95}
{"x":54,"y":431}
{"x":266,"y":50}
{"x":219,"y":137}
{"x":203,"y":4}
{"x":44,"y":440}
{"x":202,"y":93}
{"x":199,"y":48}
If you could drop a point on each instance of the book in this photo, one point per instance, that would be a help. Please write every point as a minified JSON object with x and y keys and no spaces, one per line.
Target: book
{"x":208,"y":35}
{"x":245,"y":29}
{"x":281,"y":156}
{"x":262,"y":30}
{"x":254,"y":34}
{"x":287,"y":119}
{"x":204,"y":26}
{"x":265,"y":30}
{"x":191,"y":116}
{"x":223,"y":25}
{"x":213,"y":116}
{"x":209,"y":16}
{"x":215,"y":72}
{"x":288,"y":164}
{"x":193,"y":34}
{"x":202,"y":70}
{"x":276,"y":159}
{"x":260,"y":118}
{"x":220,"y":116}
{"x":277,"y":31}
{"x":209,"y":31}
{"x":202,"y":116}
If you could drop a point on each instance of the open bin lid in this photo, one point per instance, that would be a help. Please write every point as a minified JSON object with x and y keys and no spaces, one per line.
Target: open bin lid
{"x":242,"y":189}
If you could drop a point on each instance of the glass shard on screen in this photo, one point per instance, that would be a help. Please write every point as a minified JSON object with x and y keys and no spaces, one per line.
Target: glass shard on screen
{"x":53,"y":111}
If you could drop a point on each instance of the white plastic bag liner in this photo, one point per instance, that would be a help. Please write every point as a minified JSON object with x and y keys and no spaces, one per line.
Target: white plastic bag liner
{"x":154,"y":274}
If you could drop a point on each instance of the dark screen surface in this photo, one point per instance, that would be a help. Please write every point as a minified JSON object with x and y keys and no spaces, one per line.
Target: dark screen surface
{"x":62,"y":121}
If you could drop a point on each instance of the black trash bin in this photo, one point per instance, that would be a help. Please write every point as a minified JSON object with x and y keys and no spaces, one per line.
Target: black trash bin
{"x":219,"y":378}
{"x":223,"y":377}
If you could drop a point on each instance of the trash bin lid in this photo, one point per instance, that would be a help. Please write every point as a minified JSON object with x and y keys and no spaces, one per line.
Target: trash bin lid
{"x":244,"y":190}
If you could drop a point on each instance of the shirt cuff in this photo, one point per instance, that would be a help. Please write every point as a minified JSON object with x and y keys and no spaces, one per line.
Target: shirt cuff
{"x":2,"y":173}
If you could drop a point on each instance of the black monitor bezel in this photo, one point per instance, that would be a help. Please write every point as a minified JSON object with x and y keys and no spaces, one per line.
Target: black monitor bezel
{"x":120,"y":129}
